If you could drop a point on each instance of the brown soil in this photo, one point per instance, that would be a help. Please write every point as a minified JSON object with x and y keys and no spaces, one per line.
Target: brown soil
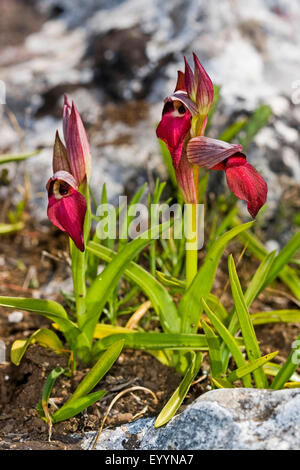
{"x":18,"y":19}
{"x":37,"y":257}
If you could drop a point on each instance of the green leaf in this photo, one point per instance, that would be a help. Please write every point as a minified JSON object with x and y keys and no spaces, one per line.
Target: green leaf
{"x":213,"y":108}
{"x":251,"y":367}
{"x":47,"y":308}
{"x":69,"y":410}
{"x":247,"y":329}
{"x":256,"y":122}
{"x":105,"y":283}
{"x":43,"y":336}
{"x":213,"y":350}
{"x":129,"y":218}
{"x":190,"y":306}
{"x":214,"y":303}
{"x":16,"y":158}
{"x":220,"y":382}
{"x":289,"y":367}
{"x":156,"y":341}
{"x":232,"y":131}
{"x":287,"y":274}
{"x":6,"y":229}
{"x":168,"y":162}
{"x":251,"y":293}
{"x":271,"y":368}
{"x":275,"y":316}
{"x":51,"y":379}
{"x":159,"y":296}
{"x":230,"y":342}
{"x":101,"y":367}
{"x":178,"y":396}
{"x":283,"y":258}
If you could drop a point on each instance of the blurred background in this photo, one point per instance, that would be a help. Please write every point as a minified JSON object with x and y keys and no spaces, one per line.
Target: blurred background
{"x":117,"y":59}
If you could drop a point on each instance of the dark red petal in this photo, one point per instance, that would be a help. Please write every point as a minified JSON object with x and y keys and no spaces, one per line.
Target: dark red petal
{"x":208,"y":153}
{"x":180,"y":85}
{"x":190,"y":84}
{"x":246,"y":183}
{"x":173,"y":129}
{"x":60,"y":160}
{"x":68,"y":213}
{"x":66,"y":115}
{"x":78,"y":147}
{"x":185,"y":179}
{"x":205,"y":89}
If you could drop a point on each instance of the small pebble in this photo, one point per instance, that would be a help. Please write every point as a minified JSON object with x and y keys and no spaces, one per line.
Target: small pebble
{"x":15,"y":317}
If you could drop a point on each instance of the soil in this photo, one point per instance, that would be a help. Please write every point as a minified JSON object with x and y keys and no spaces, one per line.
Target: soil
{"x":35,"y":262}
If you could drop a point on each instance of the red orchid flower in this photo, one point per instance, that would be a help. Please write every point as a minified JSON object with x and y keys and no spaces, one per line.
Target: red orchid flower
{"x":182,"y":128}
{"x":71,"y":168}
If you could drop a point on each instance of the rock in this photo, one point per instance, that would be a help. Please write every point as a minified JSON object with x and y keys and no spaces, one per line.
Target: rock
{"x":230,"y":419}
{"x":15,"y":317}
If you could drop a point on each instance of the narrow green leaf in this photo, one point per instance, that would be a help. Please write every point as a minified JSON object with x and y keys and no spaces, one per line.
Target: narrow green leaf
{"x":230,"y":342}
{"x":287,"y":274}
{"x":51,"y":379}
{"x":159,"y":296}
{"x":283,"y":258}
{"x":214,"y":303}
{"x":15,"y":158}
{"x":247,"y":329}
{"x":6,"y":229}
{"x":251,"y":367}
{"x":69,"y":410}
{"x":220,"y":382}
{"x":232,"y":131}
{"x":190,"y":306}
{"x":178,"y":396}
{"x":47,"y":308}
{"x":275,"y":316}
{"x":271,"y":368}
{"x":168,"y":162}
{"x":289,"y":367}
{"x":256,"y":122}
{"x":213,"y":350}
{"x":101,"y":367}
{"x":43,"y":336}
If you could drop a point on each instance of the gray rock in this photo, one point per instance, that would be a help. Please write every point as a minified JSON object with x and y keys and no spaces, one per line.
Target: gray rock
{"x":230,"y":419}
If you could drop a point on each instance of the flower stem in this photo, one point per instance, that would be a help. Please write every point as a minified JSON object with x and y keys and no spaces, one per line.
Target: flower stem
{"x":79,"y":261}
{"x":191,"y":260}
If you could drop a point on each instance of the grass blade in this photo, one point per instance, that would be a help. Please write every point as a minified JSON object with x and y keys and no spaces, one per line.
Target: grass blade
{"x":43,"y":336}
{"x":69,"y":410}
{"x":159,"y":296}
{"x":230,"y":342}
{"x":178,"y":396}
{"x":104,"y":284}
{"x":101,"y":367}
{"x":15,"y":158}
{"x":275,"y":316}
{"x":213,"y":350}
{"x":190,"y":307}
{"x":250,"y":367}
{"x":247,"y":329}
{"x":289,"y":367}
{"x":47,"y":308}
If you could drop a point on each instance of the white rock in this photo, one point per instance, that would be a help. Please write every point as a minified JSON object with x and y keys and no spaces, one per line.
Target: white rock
{"x":15,"y":317}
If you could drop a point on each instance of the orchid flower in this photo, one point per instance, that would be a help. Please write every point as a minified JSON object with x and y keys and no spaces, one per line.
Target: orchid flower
{"x":71,"y":167}
{"x":182,"y":128}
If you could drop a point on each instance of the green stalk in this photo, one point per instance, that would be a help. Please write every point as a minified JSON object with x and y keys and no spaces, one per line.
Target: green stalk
{"x":79,"y":260}
{"x":191,"y":260}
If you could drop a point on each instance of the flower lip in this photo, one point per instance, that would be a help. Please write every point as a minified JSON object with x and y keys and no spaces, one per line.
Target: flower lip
{"x":66,"y":206}
{"x":59,"y":182}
